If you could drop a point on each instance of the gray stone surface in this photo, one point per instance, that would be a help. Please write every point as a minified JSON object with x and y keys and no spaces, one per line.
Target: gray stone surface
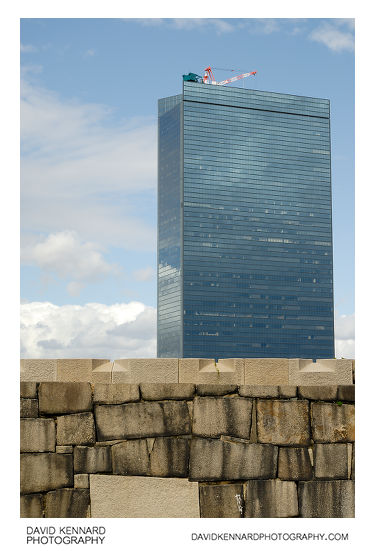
{"x":169,"y":457}
{"x":352,"y":476}
{"x":37,"y":435}
{"x":81,"y":481}
{"x":294,"y":464}
{"x":131,"y":458}
{"x":41,"y":472}
{"x":167,"y":391}
{"x":221,"y":500}
{"x":64,"y":449}
{"x":215,"y":416}
{"x":223,"y":460}
{"x":68,"y":503}
{"x":332,"y":422}
{"x":58,"y":397}
{"x":287,"y":391}
{"x":144,"y":419}
{"x":115,"y":393}
{"x":215,"y":390}
{"x":28,"y":390}
{"x":326,"y":392}
{"x":92,"y":459}
{"x":31,"y":506}
{"x":284,"y":422}
{"x":326,"y":499}
{"x":259,"y":391}
{"x":75,"y":429}
{"x":346,"y":393}
{"x":271,"y":499}
{"x":28,"y":407}
{"x":331,"y":461}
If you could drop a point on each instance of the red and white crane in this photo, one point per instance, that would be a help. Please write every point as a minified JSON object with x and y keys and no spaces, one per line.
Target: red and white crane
{"x":209,"y":78}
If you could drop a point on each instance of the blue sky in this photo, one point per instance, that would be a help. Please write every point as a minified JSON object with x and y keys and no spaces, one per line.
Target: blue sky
{"x":88,"y":162}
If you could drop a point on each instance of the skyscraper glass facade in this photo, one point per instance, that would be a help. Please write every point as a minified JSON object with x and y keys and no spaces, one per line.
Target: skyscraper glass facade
{"x":244,"y":225}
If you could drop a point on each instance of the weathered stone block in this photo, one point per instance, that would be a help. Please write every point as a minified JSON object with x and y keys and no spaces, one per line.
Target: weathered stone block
{"x":294,"y":464}
{"x":131,"y":458}
{"x":141,"y":420}
{"x":41,"y":472}
{"x":81,"y":480}
{"x":143,"y":497}
{"x":38,"y":435}
{"x":64,"y":449}
{"x":271,"y":499}
{"x":287,"y":391}
{"x":221,"y":501}
{"x":331,"y":461}
{"x":78,"y":369}
{"x":38,"y":370}
{"x":327,"y":392}
{"x":28,"y":390}
{"x":55,"y":398}
{"x":32,"y":506}
{"x":222,"y":460}
{"x":169,"y":457}
{"x":326,"y":499}
{"x":352,"y":476}
{"x":28,"y":407}
{"x":102,"y":372}
{"x":266,"y":371}
{"x":115,"y":393}
{"x":91,"y":459}
{"x":216,"y":390}
{"x":332,"y":422}
{"x":68,"y":503}
{"x":215,"y":416}
{"x":146,"y":370}
{"x":167,"y":391}
{"x":259,"y":391}
{"x":206,"y":371}
{"x":346,"y":393}
{"x":75,"y":429}
{"x":320,"y":372}
{"x":284,"y":422}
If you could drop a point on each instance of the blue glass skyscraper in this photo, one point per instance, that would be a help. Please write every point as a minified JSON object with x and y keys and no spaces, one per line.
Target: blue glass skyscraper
{"x":244,"y":225}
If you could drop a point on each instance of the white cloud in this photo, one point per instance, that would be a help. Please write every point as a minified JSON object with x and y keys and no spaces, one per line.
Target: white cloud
{"x":191,"y":24}
{"x":345,"y":336}
{"x":28,"y":49}
{"x":89,"y":331}
{"x":144,"y":274}
{"x":64,"y":255}
{"x":333,"y":36}
{"x":89,"y":53}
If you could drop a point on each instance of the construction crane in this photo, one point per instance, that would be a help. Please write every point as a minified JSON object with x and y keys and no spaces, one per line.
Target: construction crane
{"x":209,"y":78}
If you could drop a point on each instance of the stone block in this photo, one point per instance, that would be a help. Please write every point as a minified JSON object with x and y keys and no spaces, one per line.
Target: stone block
{"x":28,"y":390}
{"x":169,"y":457}
{"x":131,"y":458}
{"x":266,"y":371}
{"x":102,"y":372}
{"x":38,"y":370}
{"x":115,"y":393}
{"x":75,"y":429}
{"x":326,"y":499}
{"x":283,"y":422}
{"x":28,"y":407}
{"x":259,"y":391}
{"x":56,"y":398}
{"x":64,"y":449}
{"x":271,"y":499}
{"x":37,"y":435}
{"x":213,"y":416}
{"x":287,"y":391}
{"x":143,"y":497}
{"x":223,"y":460}
{"x":327,"y":392}
{"x":331,"y":461}
{"x":167,"y":391}
{"x":41,"y":472}
{"x":320,"y":372}
{"x":221,"y":500}
{"x":332,"y":422}
{"x":146,"y":370}
{"x":81,"y":481}
{"x":78,"y":369}
{"x":142,"y":420}
{"x":68,"y":503}
{"x":346,"y":393}
{"x":352,"y":476}
{"x":206,"y":371}
{"x":32,"y":506}
{"x":89,"y":459}
{"x":294,"y":464}
{"x":216,"y":390}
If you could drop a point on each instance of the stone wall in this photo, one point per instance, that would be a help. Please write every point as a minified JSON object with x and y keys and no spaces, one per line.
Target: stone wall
{"x":187,"y":449}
